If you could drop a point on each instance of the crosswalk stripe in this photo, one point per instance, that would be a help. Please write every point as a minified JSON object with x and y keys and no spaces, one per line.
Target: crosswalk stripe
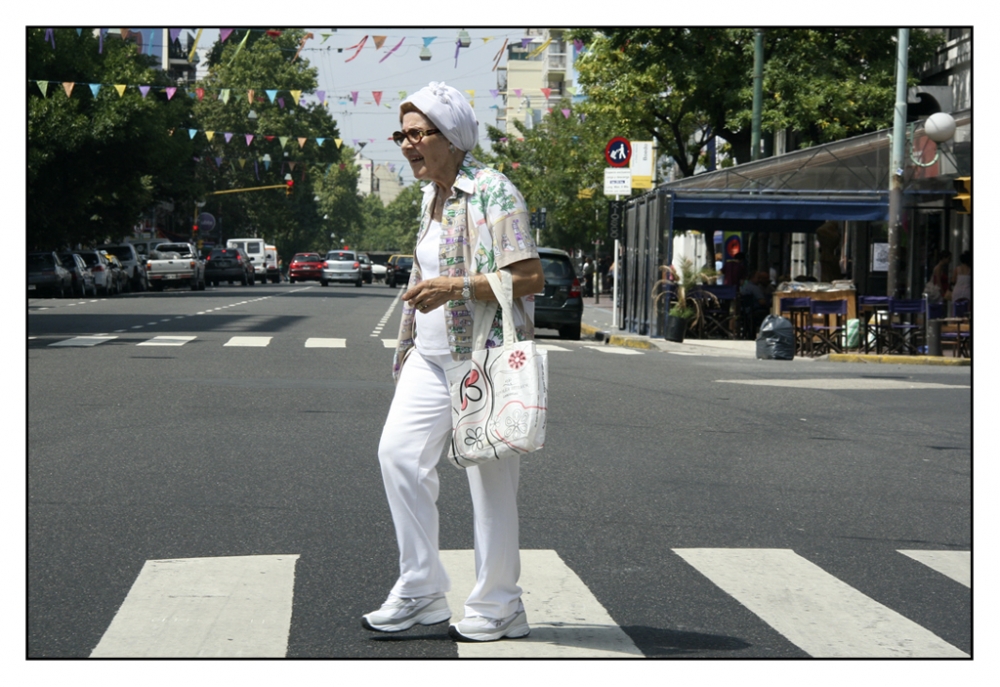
{"x":550,"y":347}
{"x":954,"y":564}
{"x":326,"y":343}
{"x":566,"y":619}
{"x":84,"y":341}
{"x":254,"y":341}
{"x":226,"y":607}
{"x":389,"y":343}
{"x":615,"y":350}
{"x":820,"y":614}
{"x":167,"y":341}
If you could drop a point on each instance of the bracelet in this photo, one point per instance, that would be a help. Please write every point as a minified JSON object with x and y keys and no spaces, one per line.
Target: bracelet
{"x":467,"y":288}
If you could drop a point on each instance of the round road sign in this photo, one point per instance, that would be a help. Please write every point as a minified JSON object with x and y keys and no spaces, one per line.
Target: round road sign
{"x":619,"y":152}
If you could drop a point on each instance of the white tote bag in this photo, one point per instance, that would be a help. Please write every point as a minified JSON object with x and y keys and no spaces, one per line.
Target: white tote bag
{"x":498,"y":405}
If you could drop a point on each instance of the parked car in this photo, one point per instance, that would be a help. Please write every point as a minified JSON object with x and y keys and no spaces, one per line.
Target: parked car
{"x":99,"y":265}
{"x":305,"y":267}
{"x":378,"y":271}
{"x":398,"y":270}
{"x":83,"y":278}
{"x":229,"y":265}
{"x":560,"y":305}
{"x":342,"y":265}
{"x":118,"y":272}
{"x":134,"y":264}
{"x":366,"y":268}
{"x":47,"y":275}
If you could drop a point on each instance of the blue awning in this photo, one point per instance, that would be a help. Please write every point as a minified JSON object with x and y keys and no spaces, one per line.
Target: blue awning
{"x":709,"y":212}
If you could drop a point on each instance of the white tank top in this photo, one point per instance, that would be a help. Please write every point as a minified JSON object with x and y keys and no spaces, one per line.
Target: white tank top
{"x":431,"y":336}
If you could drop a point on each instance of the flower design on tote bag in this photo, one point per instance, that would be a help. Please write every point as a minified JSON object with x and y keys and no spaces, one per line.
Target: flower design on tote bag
{"x":475,"y":437}
{"x":517,"y":425}
{"x":516,"y":360}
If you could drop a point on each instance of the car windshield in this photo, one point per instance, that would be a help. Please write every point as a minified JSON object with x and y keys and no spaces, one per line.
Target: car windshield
{"x":307,"y":258}
{"x":341,"y":256}
{"x":40,"y":261}
{"x":67,"y":260}
{"x":122,"y":252}
{"x":556,"y":268}
{"x":90,"y":258}
{"x":404,"y":262}
{"x":181,"y":248}
{"x":224,"y":252}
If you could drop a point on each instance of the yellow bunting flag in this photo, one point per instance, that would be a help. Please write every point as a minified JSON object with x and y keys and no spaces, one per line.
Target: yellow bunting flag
{"x":225,"y":95}
{"x":209,"y":135}
{"x":296,"y":96}
{"x":283,"y":139}
{"x":338,"y":141}
{"x":120,"y":87}
{"x":243,"y":162}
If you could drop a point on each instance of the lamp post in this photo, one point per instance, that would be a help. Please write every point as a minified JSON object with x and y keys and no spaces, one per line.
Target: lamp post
{"x":896,"y":163}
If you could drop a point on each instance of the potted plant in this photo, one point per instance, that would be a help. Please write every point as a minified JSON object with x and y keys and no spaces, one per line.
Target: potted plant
{"x":682,"y":309}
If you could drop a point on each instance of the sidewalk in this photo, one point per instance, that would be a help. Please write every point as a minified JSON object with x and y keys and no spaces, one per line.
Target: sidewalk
{"x":597,"y":324}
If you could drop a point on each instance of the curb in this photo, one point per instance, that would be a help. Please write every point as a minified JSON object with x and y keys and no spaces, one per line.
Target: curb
{"x":620,"y":340}
{"x":898,"y":359}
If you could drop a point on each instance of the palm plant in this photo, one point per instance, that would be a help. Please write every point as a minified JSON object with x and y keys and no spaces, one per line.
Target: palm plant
{"x":684,"y":280}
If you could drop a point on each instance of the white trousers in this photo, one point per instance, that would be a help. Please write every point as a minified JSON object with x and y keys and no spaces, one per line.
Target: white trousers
{"x":414,"y":438}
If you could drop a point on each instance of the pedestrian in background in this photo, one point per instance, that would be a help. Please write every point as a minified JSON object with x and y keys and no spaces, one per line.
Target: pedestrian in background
{"x":472,"y":221}
{"x":962,"y":278}
{"x":734,"y":271}
{"x":588,"y":277}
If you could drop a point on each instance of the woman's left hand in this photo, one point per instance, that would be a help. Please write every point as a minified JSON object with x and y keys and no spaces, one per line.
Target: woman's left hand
{"x":432,"y":293}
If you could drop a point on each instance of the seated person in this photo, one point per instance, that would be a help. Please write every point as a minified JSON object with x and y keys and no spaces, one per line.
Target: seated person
{"x":753,"y":290}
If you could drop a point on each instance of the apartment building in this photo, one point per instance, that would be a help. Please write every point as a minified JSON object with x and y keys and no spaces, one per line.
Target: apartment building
{"x":537,"y":75}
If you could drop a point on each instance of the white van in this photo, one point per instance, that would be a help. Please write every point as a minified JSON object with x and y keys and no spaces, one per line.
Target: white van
{"x":271,"y":260}
{"x":257,"y":250}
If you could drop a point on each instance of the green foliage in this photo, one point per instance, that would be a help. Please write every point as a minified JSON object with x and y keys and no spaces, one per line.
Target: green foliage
{"x":394,"y":226}
{"x":95,"y":164}
{"x":680,"y":86}
{"x":556,"y":160}
{"x":293,"y":223}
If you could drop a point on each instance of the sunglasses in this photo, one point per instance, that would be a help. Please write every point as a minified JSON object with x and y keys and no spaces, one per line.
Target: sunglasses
{"x":414,"y":136}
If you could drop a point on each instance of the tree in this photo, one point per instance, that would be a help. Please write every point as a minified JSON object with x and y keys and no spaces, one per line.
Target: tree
{"x":684,"y":86}
{"x":97,"y":162}
{"x":284,"y":142}
{"x":551,"y":164}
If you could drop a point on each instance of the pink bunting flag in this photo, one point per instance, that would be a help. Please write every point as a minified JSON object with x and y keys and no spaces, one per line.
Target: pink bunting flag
{"x":200,"y":92}
{"x":378,"y":97}
{"x":494,"y":92}
{"x":517,"y":92}
{"x":566,"y":113}
{"x":515,"y":165}
{"x":170,"y":91}
{"x":224,"y":34}
{"x":354,"y":99}
{"x":249,"y":138}
{"x":358,"y":46}
{"x":547,"y":92}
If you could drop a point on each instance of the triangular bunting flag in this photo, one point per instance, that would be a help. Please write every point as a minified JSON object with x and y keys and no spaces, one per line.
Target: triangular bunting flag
{"x":296,"y":96}
{"x":302,"y":142}
{"x":291,"y":166}
{"x":283,"y":139}
{"x":209,"y":135}
{"x":218,"y":162}
{"x":224,"y":95}
{"x":358,"y":46}
{"x":249,"y":138}
{"x":44,"y":87}
{"x":566,"y":113}
{"x":250,"y":91}
{"x":354,"y":98}
{"x":472,"y":93}
{"x":192,"y":132}
{"x":281,"y":102}
{"x":120,"y":87}
{"x":428,"y":40}
{"x":174,"y":34}
{"x":378,"y":96}
{"x":517,"y":92}
{"x":271,"y":92}
{"x":200,"y":92}
{"x":393,"y":50}
{"x":170,"y":91}
{"x":494,"y":92}
{"x":68,"y":87}
{"x":95,"y":88}
{"x":319,"y":141}
{"x":224,"y":34}
{"x":339,"y":142}
{"x":321,"y":96}
{"x":379,"y":40}
{"x":243,"y":162}
{"x":546,"y":92}
{"x":228,"y":136}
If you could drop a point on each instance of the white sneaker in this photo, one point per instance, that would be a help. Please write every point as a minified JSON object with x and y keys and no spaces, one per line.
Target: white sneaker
{"x":479,"y":628}
{"x":398,"y":614}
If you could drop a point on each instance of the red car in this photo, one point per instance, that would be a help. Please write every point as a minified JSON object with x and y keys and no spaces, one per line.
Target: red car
{"x":305,"y":267}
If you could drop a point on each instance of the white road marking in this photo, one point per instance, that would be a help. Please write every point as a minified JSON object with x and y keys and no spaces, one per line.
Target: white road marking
{"x":167,"y":341}
{"x":566,"y":619}
{"x":820,"y":614}
{"x":390,"y":343}
{"x":257,"y":341}
{"x":861,"y":383}
{"x":326,"y":343}
{"x":235,"y":606}
{"x":615,"y":350}
{"x":84,"y":341}
{"x":385,"y":318}
{"x":954,"y":564}
{"x":549,"y":347}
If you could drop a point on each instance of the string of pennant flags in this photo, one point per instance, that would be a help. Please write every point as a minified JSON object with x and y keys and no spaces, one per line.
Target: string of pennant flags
{"x":146,"y":39}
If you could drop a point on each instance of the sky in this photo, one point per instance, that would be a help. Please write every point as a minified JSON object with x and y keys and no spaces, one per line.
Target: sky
{"x":343,"y":69}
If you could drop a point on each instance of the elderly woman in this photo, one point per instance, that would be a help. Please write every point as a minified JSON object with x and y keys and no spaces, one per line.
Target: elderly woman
{"x":472,"y":221}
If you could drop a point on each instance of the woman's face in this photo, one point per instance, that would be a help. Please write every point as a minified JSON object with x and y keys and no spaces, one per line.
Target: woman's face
{"x":429,"y":159}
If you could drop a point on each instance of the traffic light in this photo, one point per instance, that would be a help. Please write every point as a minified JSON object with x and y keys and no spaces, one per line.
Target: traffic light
{"x":288,"y":187}
{"x":194,"y":230}
{"x":961,"y":202}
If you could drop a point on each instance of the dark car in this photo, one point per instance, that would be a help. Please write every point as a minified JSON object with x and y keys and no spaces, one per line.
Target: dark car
{"x":560,"y":305}
{"x":46,"y":274}
{"x":305,"y":267}
{"x":229,"y":265}
{"x":398,"y":270}
{"x":366,"y":267}
{"x":83,"y":278}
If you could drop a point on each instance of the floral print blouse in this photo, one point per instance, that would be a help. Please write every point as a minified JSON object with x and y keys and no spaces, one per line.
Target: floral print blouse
{"x":485,"y":227}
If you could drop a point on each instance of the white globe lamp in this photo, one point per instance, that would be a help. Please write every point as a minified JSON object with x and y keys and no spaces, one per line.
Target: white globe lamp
{"x":940,"y":127}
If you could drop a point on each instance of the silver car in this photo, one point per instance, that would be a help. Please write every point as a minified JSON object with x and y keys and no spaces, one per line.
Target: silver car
{"x":342,"y":265}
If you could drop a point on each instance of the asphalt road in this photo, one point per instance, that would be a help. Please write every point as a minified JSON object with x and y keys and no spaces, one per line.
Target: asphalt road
{"x":654,"y":464}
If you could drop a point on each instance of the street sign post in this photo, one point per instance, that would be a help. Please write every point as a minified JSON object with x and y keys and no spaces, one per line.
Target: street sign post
{"x":617,"y":182}
{"x":616,"y":215}
{"x":206,"y":222}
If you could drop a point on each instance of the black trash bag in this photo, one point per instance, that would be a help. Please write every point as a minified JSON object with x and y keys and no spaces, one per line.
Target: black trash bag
{"x":776,"y":339}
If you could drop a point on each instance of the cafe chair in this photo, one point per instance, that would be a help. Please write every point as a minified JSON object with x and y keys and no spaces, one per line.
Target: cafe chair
{"x":799,"y":316}
{"x":717,"y":318}
{"x":957,"y":333}
{"x":871,"y":313}
{"x":904,"y":327}
{"x":825,"y":337}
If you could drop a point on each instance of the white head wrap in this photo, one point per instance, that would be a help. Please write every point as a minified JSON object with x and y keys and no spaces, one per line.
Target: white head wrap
{"x":450,"y":112}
